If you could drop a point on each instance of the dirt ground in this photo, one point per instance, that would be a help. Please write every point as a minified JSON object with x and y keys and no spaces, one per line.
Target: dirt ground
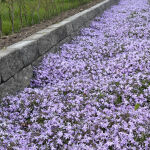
{"x":27,"y":31}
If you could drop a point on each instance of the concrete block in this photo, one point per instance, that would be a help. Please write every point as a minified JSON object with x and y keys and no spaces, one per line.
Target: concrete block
{"x":28,"y":51}
{"x":99,"y":10}
{"x":78,"y":20}
{"x":7,"y":88}
{"x":55,"y":34}
{"x":61,"y":33}
{"x":43,"y":39}
{"x":69,"y":28}
{"x":22,"y":78}
{"x":18,"y":83}
{"x":10,"y":63}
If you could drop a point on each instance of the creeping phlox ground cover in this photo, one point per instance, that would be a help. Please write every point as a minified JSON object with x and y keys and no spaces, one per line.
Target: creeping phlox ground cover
{"x":95,"y":95}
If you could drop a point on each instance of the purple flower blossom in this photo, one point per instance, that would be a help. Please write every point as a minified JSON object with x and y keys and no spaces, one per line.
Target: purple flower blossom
{"x":94,"y":95}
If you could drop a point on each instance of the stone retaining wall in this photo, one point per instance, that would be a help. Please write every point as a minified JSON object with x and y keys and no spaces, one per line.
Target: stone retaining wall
{"x":17,"y":61}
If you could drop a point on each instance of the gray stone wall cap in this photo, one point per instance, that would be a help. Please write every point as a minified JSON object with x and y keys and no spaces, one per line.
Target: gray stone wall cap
{"x":35,"y":36}
{"x":21,"y":44}
{"x":73,"y":17}
{"x":46,"y":30}
{"x":6,"y":51}
{"x":57,"y":25}
{"x":3,"y":53}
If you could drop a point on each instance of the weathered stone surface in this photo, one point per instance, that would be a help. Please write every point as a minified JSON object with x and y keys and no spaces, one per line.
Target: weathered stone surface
{"x":60,"y":33}
{"x":77,"y":20}
{"x":7,"y":88}
{"x":22,"y":78}
{"x":28,"y":51}
{"x":97,"y":9}
{"x":18,"y":83}
{"x":10,"y":63}
{"x":91,"y":14}
{"x":44,"y":45}
{"x":43,"y":39}
{"x":69,"y":28}
{"x":4,"y":69}
{"x":0,"y":79}
{"x":54,"y":34}
{"x":100,"y":9}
